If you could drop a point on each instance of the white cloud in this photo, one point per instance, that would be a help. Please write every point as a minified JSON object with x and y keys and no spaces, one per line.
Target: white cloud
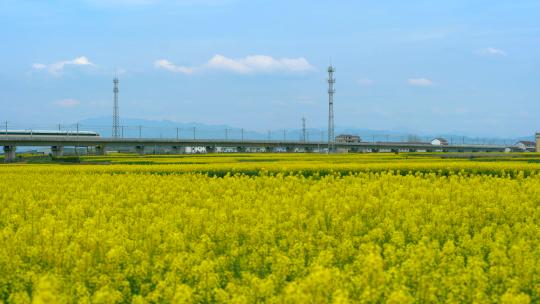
{"x":491,"y":51}
{"x":57,"y":67}
{"x":420,"y":82}
{"x":366,"y":82}
{"x":66,"y":103}
{"x":247,"y":65}
{"x":239,"y":66}
{"x":171,"y":67}
{"x":80,"y":61}
{"x":38,"y":66}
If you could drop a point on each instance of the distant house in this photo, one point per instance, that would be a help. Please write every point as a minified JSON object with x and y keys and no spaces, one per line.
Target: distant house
{"x":348,"y":139}
{"x":526,"y":146}
{"x":439,"y":142}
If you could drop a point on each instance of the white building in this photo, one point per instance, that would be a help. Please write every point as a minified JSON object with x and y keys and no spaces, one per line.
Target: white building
{"x":526,"y":146}
{"x":347,"y":138}
{"x":439,"y":142}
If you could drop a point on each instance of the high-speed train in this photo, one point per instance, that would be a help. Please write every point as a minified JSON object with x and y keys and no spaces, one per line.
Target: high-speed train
{"x":48,"y":133}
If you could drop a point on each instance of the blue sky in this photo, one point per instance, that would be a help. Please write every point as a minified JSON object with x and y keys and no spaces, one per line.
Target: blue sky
{"x":461,"y":66}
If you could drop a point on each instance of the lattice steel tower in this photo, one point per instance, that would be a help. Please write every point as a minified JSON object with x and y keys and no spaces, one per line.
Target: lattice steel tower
{"x":116,"y":114}
{"x":331,"y":92}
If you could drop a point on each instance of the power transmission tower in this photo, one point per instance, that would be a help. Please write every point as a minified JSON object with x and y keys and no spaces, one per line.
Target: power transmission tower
{"x":331,"y":91}
{"x":116,"y":114}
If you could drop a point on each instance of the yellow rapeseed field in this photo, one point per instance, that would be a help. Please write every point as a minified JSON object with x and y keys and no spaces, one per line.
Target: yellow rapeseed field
{"x":276,"y":229}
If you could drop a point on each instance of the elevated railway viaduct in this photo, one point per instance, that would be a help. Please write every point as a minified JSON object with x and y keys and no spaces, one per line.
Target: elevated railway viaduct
{"x":100,"y":145}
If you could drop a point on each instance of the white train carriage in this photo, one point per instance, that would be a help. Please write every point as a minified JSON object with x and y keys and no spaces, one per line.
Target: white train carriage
{"x":48,"y":133}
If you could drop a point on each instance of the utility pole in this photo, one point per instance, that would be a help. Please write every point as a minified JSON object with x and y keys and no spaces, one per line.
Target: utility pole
{"x":77,"y":137}
{"x":242,"y":134}
{"x":304,"y":129}
{"x":140,"y":132}
{"x":194,"y":132}
{"x":284,"y":135}
{"x":177,"y":134}
{"x":116,"y":114}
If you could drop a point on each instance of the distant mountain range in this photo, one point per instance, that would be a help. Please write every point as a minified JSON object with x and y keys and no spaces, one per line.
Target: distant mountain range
{"x":133,"y":127}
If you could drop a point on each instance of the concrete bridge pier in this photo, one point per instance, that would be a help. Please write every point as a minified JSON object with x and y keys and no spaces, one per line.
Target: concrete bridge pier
{"x":100,"y":150}
{"x":57,"y":151}
{"x":139,"y":150}
{"x":10,"y":154}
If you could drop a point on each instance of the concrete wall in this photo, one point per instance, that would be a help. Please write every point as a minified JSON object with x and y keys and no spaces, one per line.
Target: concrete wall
{"x":537,"y":142}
